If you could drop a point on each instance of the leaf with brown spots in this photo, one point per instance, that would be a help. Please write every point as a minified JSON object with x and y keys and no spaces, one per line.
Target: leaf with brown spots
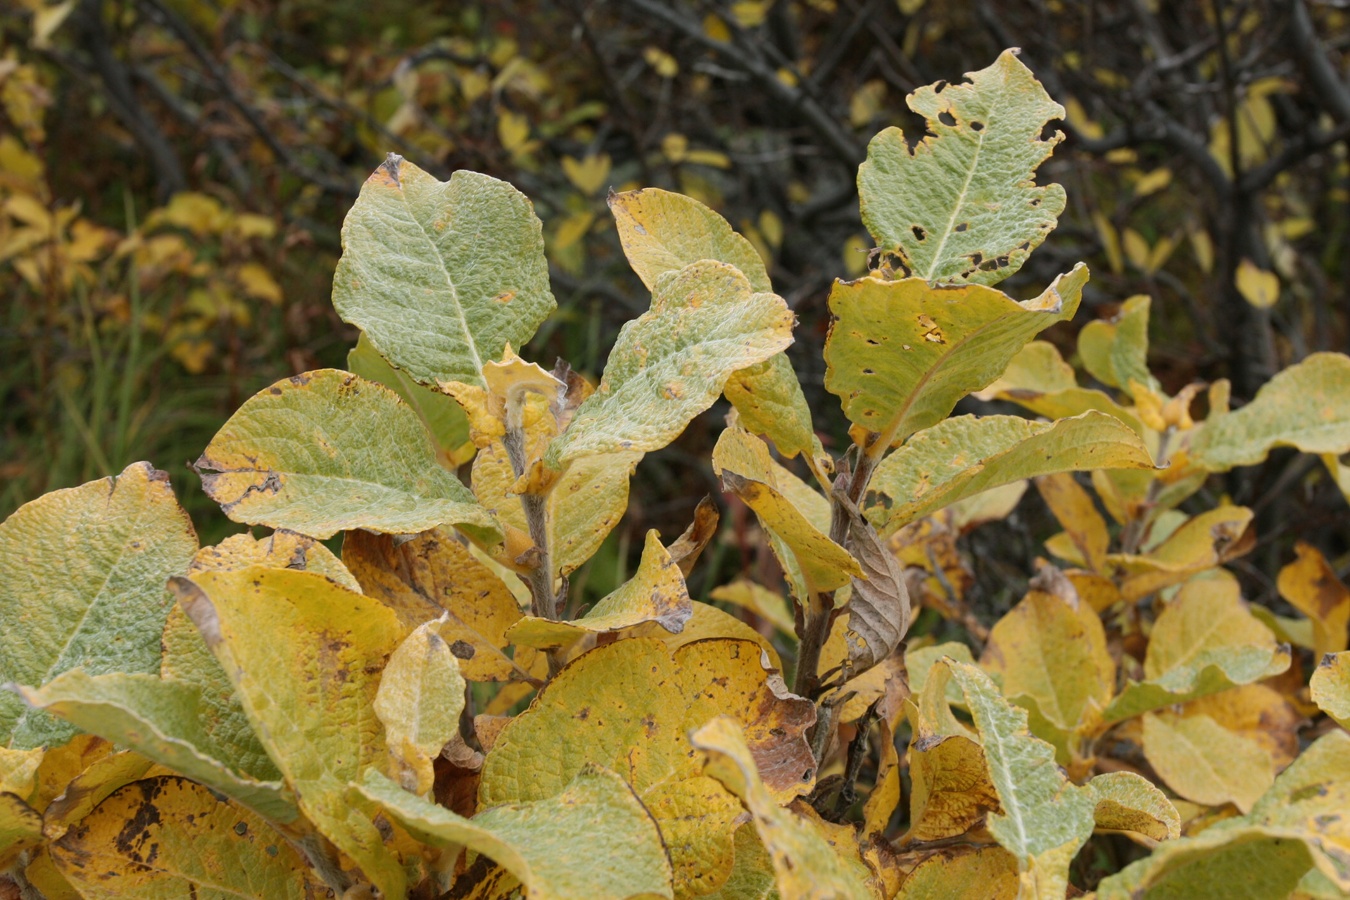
{"x":279,"y":550}
{"x":170,"y":837}
{"x":655,"y":593}
{"x":420,"y":698}
{"x":629,"y":706}
{"x":327,"y":451}
{"x":435,"y":574}
{"x":1311,"y":585}
{"x":1330,"y":686}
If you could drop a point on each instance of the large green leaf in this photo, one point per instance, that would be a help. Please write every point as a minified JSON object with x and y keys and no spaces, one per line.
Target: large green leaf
{"x":441,"y":276}
{"x":82,"y":584}
{"x":1298,"y":824}
{"x":966,"y":455}
{"x":900,"y":354}
{"x":1044,"y":818}
{"x":326,"y":452}
{"x":670,"y":364}
{"x":440,"y":414}
{"x":305,"y":656}
{"x":962,"y":204}
{"x":593,"y":840}
{"x":1305,"y":406}
{"x":163,"y":720}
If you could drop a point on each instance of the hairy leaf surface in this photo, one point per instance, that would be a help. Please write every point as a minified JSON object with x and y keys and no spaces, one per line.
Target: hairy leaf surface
{"x":441,"y":276}
{"x":82,"y":585}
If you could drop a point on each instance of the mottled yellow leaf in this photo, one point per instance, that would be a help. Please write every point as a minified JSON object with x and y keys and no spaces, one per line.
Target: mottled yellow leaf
{"x":759,"y":600}
{"x":279,"y":550}
{"x":312,"y":454}
{"x":168,"y":837}
{"x":82,"y":585}
{"x":808,"y":867}
{"x":420,"y":697}
{"x":1258,"y":713}
{"x":1330,"y":686}
{"x":963,"y":873}
{"x":1205,"y":641}
{"x":900,"y":354}
{"x":1203,"y":542}
{"x":1127,"y":801}
{"x":592,"y":840}
{"x":1311,"y":586}
{"x":304,"y":655}
{"x":655,"y":593}
{"x":707,"y":622}
{"x":1115,"y":352}
{"x":435,"y":574}
{"x":1072,"y":505}
{"x":1051,"y":655}
{"x":950,"y":787}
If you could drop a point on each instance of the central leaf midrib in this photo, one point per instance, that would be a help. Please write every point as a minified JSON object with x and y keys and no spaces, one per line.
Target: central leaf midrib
{"x":449,"y":283}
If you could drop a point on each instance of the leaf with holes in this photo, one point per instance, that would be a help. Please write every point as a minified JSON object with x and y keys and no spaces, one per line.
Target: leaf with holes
{"x":962,"y":205}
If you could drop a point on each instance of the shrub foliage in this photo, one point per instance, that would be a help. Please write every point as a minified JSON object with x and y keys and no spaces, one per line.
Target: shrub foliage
{"x":431,"y":713}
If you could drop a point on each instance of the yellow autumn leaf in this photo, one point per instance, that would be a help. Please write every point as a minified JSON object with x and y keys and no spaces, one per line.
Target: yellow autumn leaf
{"x":1205,"y":762}
{"x":1311,"y":586}
{"x":420,"y":697}
{"x":1330,"y":686}
{"x":1259,"y":287}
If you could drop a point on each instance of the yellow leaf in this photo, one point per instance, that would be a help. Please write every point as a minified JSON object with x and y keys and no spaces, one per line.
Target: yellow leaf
{"x":258,"y":283}
{"x":513,"y":130}
{"x":662,"y":62}
{"x":759,"y":600}
{"x":1202,"y":245}
{"x":1110,"y":238}
{"x":1136,"y":249}
{"x":1152,"y":182}
{"x":715,"y":28}
{"x":1205,"y":762}
{"x":963,"y":873}
{"x":419,"y":700}
{"x":1073,"y":507}
{"x":749,"y":13}
{"x":674,"y":146}
{"x":587,"y":175}
{"x":866,"y":102}
{"x":1201,"y":543}
{"x":808,"y":867}
{"x":1330,"y":687}
{"x":1311,"y":585}
{"x":1258,"y":287}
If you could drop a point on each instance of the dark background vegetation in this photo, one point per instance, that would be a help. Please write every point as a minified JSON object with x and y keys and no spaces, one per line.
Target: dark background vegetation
{"x":173,"y":175}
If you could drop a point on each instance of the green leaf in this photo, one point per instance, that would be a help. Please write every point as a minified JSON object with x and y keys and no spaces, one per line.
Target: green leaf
{"x":82,"y":585}
{"x":1116,"y":352}
{"x":442,"y":417}
{"x":655,"y":593}
{"x":963,"y":205}
{"x":1305,"y":406}
{"x":326,"y":452}
{"x":163,"y":720}
{"x":304,"y":655}
{"x":592,"y":840}
{"x":441,"y":276}
{"x":769,"y":399}
{"x":900,"y":354}
{"x":1330,"y":686}
{"x":966,"y":455}
{"x":807,"y":865}
{"x":670,"y":364}
{"x":1044,"y":818}
{"x":663,"y":232}
{"x":169,"y":837}
{"x":1205,"y":641}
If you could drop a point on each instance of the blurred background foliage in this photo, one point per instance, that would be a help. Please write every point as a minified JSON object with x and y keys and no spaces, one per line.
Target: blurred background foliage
{"x":174,"y":173}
